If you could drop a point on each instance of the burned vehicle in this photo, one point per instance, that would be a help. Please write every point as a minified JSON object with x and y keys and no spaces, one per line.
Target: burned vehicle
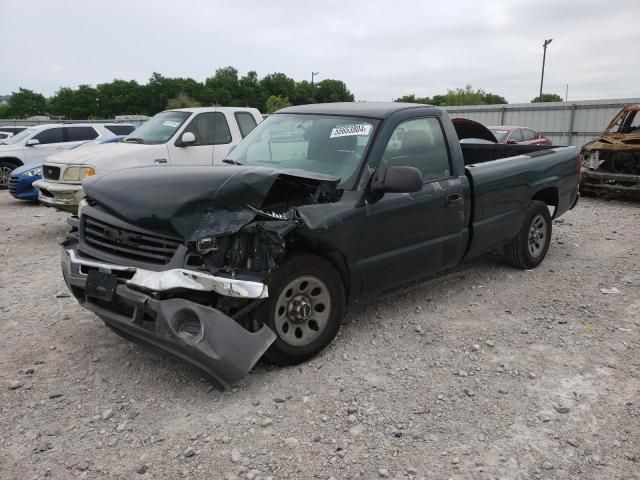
{"x":318,"y":207}
{"x":612,"y":161}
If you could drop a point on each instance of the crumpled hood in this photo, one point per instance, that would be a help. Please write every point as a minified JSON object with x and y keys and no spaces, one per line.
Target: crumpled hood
{"x":614,"y":141}
{"x":95,"y":153}
{"x":185,"y":202}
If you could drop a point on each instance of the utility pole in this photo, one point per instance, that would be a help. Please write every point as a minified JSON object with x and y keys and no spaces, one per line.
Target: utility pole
{"x":313,"y":74}
{"x":544,"y":57}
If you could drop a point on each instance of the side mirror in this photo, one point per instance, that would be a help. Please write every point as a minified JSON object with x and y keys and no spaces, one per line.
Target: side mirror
{"x":188,"y":138}
{"x":32,"y":142}
{"x":399,"y":180}
{"x":512,"y":142}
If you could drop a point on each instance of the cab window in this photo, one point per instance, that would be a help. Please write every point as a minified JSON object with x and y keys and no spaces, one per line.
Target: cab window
{"x":209,"y":129}
{"x":79,"y":134}
{"x":418,"y":143}
{"x":51,"y":135}
{"x":246,"y":123}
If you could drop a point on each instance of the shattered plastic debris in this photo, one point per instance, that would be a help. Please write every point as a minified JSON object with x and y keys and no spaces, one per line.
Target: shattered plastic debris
{"x":610,"y":291}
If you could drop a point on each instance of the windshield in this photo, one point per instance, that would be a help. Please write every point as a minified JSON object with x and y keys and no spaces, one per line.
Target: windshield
{"x":158,"y":129}
{"x":322,"y":144}
{"x":500,"y":134}
{"x":18,"y":137}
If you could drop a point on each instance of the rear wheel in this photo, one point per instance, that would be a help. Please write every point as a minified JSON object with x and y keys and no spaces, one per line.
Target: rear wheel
{"x":5,"y":172}
{"x":305,"y":309}
{"x":531,"y":244}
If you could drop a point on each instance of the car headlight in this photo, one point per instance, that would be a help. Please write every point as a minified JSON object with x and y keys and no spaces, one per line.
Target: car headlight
{"x":33,"y":172}
{"x":75,"y":174}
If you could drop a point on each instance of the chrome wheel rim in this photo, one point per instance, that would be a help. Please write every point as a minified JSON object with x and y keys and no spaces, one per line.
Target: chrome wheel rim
{"x":537,"y":235}
{"x":302,"y":311}
{"x":5,"y":172}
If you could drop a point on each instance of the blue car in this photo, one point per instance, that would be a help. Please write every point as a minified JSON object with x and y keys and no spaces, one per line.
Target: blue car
{"x":22,"y":178}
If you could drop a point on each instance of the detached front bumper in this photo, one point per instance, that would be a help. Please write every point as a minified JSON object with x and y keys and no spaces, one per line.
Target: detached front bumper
{"x":62,"y":196}
{"x":610,"y":183}
{"x":201,"y":336}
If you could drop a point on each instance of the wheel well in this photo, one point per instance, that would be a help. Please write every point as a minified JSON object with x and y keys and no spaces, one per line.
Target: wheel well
{"x":549,"y":196}
{"x":334,"y":257}
{"x":16,"y":161}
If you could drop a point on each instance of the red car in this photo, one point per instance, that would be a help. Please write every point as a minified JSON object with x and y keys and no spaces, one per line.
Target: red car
{"x":519,"y":135}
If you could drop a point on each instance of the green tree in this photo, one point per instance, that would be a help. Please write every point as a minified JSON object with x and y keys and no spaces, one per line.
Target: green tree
{"x":26,"y":103}
{"x":547,"y":97}
{"x":62,"y":102}
{"x":4,"y":111}
{"x":249,"y":91}
{"x":182,"y":101}
{"x":303,"y":93}
{"x":278,"y":84}
{"x":332,"y":91}
{"x":413,"y":99}
{"x":459,"y":96}
{"x":78,"y":104}
{"x":121,"y":97}
{"x":276,"y":102}
{"x":224,"y":87}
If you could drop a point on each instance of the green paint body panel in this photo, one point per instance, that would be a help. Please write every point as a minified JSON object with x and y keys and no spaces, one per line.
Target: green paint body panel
{"x":381,"y":241}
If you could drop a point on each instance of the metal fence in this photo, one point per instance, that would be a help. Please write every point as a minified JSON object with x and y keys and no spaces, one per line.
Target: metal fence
{"x":565,"y":123}
{"x":135,"y":119}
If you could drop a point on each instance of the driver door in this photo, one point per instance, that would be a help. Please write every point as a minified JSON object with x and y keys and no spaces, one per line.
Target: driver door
{"x":51,"y":141}
{"x":411,"y":235}
{"x":210,"y":129}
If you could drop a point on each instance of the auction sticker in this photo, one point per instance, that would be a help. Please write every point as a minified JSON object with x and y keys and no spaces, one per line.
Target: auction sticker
{"x":170,"y":123}
{"x":350,"y":130}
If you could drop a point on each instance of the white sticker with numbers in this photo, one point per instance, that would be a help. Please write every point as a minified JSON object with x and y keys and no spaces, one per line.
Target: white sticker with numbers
{"x":350,"y":130}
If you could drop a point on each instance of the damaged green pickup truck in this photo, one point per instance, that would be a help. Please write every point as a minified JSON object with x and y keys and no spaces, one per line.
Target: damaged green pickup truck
{"x":319,"y":206}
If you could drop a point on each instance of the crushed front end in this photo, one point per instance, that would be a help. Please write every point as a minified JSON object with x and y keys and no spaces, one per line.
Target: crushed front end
{"x":611,"y":163}
{"x":188,"y":291}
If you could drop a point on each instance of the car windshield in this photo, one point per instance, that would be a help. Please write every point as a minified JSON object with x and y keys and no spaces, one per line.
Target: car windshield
{"x":18,"y":137}
{"x":500,"y":134}
{"x":324,"y":144}
{"x":158,"y":129}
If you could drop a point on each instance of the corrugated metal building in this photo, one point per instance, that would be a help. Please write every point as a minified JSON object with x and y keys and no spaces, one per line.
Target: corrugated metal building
{"x":565,"y":123}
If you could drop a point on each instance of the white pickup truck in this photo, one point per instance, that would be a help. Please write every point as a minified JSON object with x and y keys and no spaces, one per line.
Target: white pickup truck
{"x":186,"y":136}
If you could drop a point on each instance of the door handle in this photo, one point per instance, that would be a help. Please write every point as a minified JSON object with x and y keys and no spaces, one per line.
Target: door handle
{"x":160,"y":160}
{"x":454,"y":198}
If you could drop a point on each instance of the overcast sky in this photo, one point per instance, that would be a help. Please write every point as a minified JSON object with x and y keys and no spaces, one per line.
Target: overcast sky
{"x":380,"y":49}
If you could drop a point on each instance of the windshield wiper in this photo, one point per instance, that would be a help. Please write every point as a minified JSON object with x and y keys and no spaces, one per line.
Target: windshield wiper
{"x":231,"y":162}
{"x":134,"y":140}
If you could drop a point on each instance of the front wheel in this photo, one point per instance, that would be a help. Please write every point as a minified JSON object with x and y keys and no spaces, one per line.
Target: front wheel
{"x":5,"y":172}
{"x":531,"y":244}
{"x":305,"y":309}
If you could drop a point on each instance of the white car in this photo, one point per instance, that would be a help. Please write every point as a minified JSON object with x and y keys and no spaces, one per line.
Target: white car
{"x":12,"y":129}
{"x":186,"y":136}
{"x":33,"y":144}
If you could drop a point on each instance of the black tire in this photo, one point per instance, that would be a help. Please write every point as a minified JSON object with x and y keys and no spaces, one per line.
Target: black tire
{"x":280,"y":310}
{"x":6,"y":167}
{"x":530,"y":246}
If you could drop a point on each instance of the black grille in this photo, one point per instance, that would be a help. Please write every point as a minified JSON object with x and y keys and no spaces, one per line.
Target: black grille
{"x":50,"y":173}
{"x":13,"y":184}
{"x":127,"y":243}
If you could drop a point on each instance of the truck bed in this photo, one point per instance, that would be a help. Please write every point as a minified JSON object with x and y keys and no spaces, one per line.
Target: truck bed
{"x":501,"y":187}
{"x":481,"y":153}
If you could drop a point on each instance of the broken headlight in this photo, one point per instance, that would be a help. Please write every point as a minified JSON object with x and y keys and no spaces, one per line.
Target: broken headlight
{"x":206,"y":244}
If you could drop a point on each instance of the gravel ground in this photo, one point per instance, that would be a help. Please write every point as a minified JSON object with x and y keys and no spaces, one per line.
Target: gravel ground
{"x":485,"y":373}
